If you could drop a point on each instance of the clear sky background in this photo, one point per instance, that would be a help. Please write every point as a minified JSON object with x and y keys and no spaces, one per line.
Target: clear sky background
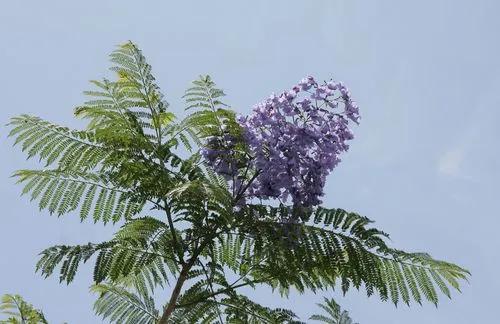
{"x":424,"y":164}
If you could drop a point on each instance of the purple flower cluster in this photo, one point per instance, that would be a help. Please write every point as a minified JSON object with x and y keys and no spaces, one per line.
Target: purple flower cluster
{"x":296,"y":138}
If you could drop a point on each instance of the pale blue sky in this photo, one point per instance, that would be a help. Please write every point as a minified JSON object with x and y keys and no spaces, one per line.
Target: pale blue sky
{"x":424,"y":163}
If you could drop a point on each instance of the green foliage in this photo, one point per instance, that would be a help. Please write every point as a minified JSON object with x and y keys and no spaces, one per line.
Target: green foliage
{"x":119,"y":305}
{"x":19,"y":311}
{"x":342,"y":251}
{"x":235,"y":309}
{"x":69,"y":149}
{"x":242,"y":310}
{"x":131,"y":109}
{"x":196,"y":236}
{"x":142,"y":248}
{"x":119,"y":162}
{"x":335,"y":314}
{"x":211,"y":116}
{"x":63,"y":191}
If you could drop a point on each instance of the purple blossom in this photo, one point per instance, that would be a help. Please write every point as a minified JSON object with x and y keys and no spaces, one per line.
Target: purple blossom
{"x":294,"y":139}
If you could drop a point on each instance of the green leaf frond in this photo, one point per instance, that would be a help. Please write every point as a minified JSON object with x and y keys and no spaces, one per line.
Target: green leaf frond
{"x":241,"y":310}
{"x":335,"y":315}
{"x":205,"y":312}
{"x":142,"y":249}
{"x":118,"y":304}
{"x":211,"y":118}
{"x":199,"y":200}
{"x":133,"y":104}
{"x":204,"y":95}
{"x":287,"y":253}
{"x":19,"y":311}
{"x":76,"y":150}
{"x":234,"y":309}
{"x":61,"y":192}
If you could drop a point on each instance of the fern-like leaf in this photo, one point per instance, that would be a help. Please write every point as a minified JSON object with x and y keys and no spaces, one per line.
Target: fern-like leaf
{"x":64,"y":191}
{"x":19,"y":311}
{"x":334,"y":313}
{"x":304,"y":255}
{"x":119,"y":305}
{"x":75,"y":150}
{"x":142,"y":248}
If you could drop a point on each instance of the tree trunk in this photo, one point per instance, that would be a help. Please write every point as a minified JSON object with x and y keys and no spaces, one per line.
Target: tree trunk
{"x":176,"y":292}
{"x":170,"y":307}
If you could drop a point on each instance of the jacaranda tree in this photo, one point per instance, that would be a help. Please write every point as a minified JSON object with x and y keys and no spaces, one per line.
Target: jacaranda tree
{"x":212,"y":202}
